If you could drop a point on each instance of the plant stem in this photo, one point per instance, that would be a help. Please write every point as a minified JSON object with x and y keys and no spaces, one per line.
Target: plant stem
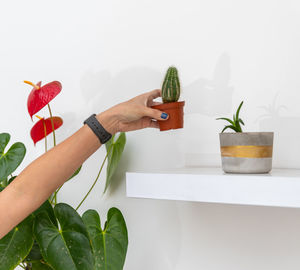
{"x":86,"y":195}
{"x":51,"y":118}
{"x":54,"y":195}
{"x":54,"y":143}
{"x":45,"y":130}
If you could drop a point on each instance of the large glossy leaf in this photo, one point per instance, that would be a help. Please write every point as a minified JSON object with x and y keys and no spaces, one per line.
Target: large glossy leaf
{"x":15,"y":246}
{"x":10,"y":160}
{"x":47,"y":207}
{"x":39,"y":265}
{"x":115,"y":149}
{"x":67,"y":247}
{"x":35,"y":253}
{"x":110,"y":244}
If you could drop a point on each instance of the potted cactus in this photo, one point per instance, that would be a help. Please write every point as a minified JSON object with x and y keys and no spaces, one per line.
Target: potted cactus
{"x":170,"y":96}
{"x":245,"y":152}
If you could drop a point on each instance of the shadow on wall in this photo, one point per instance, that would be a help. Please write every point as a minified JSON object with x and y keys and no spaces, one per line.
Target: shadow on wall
{"x":102,"y":93}
{"x":286,"y":137}
{"x":206,"y":99}
{"x":102,"y":90}
{"x":211,"y":97}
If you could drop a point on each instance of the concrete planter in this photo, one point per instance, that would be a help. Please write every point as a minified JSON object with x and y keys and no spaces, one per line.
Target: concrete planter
{"x":248,"y":152}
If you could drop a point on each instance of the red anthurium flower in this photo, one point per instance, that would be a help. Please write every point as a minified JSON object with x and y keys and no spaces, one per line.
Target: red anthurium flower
{"x":38,"y":130}
{"x":40,"y":96}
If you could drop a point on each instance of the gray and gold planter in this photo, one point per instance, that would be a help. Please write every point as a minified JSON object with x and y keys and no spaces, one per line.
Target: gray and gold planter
{"x":247,"y":152}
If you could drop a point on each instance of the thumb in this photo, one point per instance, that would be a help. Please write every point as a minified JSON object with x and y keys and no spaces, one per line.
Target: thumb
{"x":155,"y":114}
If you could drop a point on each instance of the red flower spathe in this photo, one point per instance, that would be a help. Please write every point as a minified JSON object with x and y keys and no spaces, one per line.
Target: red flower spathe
{"x":41,"y":96}
{"x":38,"y":130}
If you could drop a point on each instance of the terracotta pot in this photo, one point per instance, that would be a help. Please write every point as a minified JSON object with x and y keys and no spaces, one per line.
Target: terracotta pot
{"x":175,"y":112}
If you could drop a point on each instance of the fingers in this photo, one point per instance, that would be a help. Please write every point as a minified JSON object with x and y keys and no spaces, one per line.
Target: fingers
{"x":156,"y":103}
{"x":142,"y":123}
{"x":153,"y":94}
{"x":152,"y":103}
{"x":155,"y":114}
{"x":153,"y":124}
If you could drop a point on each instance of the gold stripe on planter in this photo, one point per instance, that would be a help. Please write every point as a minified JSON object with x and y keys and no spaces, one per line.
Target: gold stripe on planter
{"x":247,"y":151}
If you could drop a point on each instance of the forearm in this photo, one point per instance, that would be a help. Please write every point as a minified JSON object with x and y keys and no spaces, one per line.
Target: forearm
{"x":44,"y":175}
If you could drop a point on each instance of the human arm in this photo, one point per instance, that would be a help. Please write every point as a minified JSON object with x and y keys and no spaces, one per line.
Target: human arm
{"x":48,"y":172}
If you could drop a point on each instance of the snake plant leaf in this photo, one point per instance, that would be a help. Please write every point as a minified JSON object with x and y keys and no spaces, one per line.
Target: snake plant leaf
{"x":242,"y":122}
{"x":15,"y":246}
{"x":114,"y":149}
{"x":65,"y":248}
{"x":10,"y":160}
{"x":110,"y":244}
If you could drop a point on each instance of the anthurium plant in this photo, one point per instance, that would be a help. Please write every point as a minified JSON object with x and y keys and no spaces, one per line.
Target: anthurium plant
{"x":55,"y":236}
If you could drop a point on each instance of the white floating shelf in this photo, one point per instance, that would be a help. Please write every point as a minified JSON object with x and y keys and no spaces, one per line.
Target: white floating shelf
{"x":279,"y":188}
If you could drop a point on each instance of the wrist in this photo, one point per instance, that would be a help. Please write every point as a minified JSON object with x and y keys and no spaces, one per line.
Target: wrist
{"x":109,"y":121}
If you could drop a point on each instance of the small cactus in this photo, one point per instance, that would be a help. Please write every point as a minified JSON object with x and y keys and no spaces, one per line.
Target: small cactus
{"x":171,"y":86}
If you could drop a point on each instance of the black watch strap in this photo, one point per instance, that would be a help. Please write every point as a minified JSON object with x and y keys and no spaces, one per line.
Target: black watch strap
{"x":98,"y":129}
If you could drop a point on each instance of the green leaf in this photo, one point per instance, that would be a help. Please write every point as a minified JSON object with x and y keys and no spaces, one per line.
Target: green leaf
{"x":35,"y":253}
{"x":4,"y":140}
{"x":10,"y":160}
{"x":65,"y":248}
{"x":115,"y":150}
{"x":238,"y":110}
{"x":231,"y":127}
{"x":11,"y":179}
{"x":75,"y":173}
{"x":47,"y":207}
{"x":39,"y":265}
{"x":110,"y":244}
{"x":241,"y":121}
{"x":15,"y":246}
{"x":226,"y":119}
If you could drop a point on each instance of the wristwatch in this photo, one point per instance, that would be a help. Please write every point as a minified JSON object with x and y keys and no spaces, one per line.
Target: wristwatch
{"x":103,"y":135}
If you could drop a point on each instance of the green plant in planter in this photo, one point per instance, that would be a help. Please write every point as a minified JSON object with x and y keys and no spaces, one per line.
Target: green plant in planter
{"x":171,"y":86}
{"x":55,"y":236}
{"x":235,"y":123}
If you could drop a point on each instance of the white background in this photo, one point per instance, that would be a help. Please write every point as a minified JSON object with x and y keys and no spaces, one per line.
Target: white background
{"x":226,"y":51}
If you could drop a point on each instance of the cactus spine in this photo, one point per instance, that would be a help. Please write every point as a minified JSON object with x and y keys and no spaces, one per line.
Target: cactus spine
{"x":171,"y":86}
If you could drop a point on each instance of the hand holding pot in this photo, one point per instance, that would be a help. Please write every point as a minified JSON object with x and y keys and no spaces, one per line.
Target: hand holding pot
{"x":133,"y":114}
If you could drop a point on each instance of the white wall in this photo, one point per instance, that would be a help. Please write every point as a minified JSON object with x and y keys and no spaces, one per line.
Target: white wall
{"x":226,"y":51}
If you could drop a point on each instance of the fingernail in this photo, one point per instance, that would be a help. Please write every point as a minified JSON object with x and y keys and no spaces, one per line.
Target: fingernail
{"x":164,"y":116}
